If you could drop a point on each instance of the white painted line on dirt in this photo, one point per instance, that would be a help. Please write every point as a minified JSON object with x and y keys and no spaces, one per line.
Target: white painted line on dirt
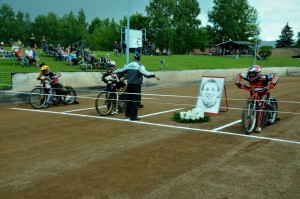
{"x":161,"y":112}
{"x":227,"y":125}
{"x":82,"y":109}
{"x":162,"y":125}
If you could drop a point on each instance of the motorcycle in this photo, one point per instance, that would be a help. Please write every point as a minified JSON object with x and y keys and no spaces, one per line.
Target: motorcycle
{"x":42,"y":95}
{"x":255,"y":108}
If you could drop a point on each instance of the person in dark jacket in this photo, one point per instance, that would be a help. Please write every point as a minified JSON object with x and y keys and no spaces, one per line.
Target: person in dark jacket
{"x":134,"y":73}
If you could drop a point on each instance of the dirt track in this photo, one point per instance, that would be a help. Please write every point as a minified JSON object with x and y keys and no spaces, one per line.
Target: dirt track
{"x":78,"y":154}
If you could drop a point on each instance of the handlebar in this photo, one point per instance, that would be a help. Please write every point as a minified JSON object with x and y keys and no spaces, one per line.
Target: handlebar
{"x":255,"y":89}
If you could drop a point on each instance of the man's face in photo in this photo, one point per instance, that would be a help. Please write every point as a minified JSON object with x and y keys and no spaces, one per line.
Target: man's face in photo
{"x":209,"y":93}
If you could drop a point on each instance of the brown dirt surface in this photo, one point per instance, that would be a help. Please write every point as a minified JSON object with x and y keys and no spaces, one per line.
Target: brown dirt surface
{"x":72,"y":152}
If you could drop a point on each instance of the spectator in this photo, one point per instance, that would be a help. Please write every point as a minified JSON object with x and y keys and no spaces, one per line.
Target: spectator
{"x":169,"y":52}
{"x":14,"y":47}
{"x":50,"y":50}
{"x":135,"y":72}
{"x":32,"y":41}
{"x":116,"y":48}
{"x":107,"y":60}
{"x":36,"y":57}
{"x":153,"y":48}
{"x":2,"y":47}
{"x":29,"y":55}
{"x":124,"y":48}
{"x":157,"y":52}
{"x":43,"y":42}
{"x":20,"y":56}
{"x":19,"y":43}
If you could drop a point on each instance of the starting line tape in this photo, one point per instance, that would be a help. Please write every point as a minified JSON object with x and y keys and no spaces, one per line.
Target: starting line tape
{"x":216,"y":131}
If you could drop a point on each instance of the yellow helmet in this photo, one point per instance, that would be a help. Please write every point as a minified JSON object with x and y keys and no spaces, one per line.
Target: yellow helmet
{"x":45,"y":67}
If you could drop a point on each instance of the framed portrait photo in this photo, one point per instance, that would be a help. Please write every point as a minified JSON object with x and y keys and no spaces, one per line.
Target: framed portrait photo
{"x":210,"y":94}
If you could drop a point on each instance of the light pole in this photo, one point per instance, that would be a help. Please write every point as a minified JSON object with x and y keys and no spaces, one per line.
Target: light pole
{"x":122,"y":32}
{"x":127,"y":35}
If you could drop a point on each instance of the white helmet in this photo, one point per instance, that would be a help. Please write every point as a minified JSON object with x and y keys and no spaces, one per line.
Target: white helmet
{"x":113,"y":63}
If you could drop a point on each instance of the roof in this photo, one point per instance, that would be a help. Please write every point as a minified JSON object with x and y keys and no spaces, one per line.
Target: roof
{"x":236,"y":42}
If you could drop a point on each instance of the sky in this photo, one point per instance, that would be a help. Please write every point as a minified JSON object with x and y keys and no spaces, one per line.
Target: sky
{"x":273,"y":15}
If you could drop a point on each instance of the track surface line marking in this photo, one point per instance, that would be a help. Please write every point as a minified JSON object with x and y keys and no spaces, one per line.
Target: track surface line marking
{"x":163,"y":125}
{"x":227,"y":125}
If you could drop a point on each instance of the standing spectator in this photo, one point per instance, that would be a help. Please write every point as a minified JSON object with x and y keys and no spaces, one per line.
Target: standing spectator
{"x":153,"y":48}
{"x":135,"y":72}
{"x":116,"y":48}
{"x":124,"y":48}
{"x":19,"y":43}
{"x":32,"y":40}
{"x":43,"y":43}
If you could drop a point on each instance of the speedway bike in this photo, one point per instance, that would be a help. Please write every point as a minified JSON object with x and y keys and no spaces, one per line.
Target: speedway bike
{"x":111,"y":101}
{"x":256,"y":108}
{"x":41,"y":95}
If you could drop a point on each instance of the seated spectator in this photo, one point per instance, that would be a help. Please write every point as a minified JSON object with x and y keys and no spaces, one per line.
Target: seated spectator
{"x":164,"y":52}
{"x":74,"y":58}
{"x":50,"y":50}
{"x":14,"y":47}
{"x":157,"y":52}
{"x":36,"y":57}
{"x":58,"y":54}
{"x":101,"y":61}
{"x":21,"y":57}
{"x":29,"y":55}
{"x":2,"y":47}
{"x":169,"y":52}
{"x":107,"y":61}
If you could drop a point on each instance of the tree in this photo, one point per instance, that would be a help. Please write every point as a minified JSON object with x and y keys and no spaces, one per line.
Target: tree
{"x":233,"y":20}
{"x":174,"y":24}
{"x":298,"y":41}
{"x":103,"y":36}
{"x":286,"y":37}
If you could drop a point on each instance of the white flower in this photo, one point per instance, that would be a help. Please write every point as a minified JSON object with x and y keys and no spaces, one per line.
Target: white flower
{"x":194,"y":114}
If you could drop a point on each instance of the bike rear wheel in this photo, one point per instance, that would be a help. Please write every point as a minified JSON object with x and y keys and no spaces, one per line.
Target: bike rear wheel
{"x":248,"y":117}
{"x":272,"y":111}
{"x":104,"y":103}
{"x":38,"y":98}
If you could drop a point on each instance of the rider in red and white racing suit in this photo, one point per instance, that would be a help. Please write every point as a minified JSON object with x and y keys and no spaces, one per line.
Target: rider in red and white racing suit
{"x":256,"y":79}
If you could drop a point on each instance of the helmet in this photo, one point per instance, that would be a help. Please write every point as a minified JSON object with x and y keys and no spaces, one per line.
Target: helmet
{"x":45,"y":69}
{"x":254,"y":71}
{"x":112,"y":65}
{"x":137,"y":56}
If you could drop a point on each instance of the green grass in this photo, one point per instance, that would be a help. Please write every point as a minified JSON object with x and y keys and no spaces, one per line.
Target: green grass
{"x":152,"y":63}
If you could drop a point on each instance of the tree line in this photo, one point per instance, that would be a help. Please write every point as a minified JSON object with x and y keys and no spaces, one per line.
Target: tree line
{"x":170,"y":24}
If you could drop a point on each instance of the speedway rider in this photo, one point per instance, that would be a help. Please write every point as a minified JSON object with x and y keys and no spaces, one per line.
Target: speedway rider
{"x":256,"y":79}
{"x":53,"y":77}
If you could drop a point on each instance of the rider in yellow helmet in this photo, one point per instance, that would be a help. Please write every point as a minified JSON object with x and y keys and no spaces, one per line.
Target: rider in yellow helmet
{"x":45,"y":71}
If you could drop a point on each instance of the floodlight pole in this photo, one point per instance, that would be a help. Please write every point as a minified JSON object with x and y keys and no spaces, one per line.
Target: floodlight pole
{"x":127,"y":35}
{"x":255,"y":48}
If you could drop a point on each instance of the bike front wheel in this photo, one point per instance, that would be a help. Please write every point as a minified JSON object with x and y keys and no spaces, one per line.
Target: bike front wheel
{"x":71,"y":97}
{"x":38,"y":98}
{"x":248,"y":118}
{"x":104,"y":103}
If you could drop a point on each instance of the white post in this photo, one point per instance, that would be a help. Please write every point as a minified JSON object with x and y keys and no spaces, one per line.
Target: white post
{"x":127,"y":38}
